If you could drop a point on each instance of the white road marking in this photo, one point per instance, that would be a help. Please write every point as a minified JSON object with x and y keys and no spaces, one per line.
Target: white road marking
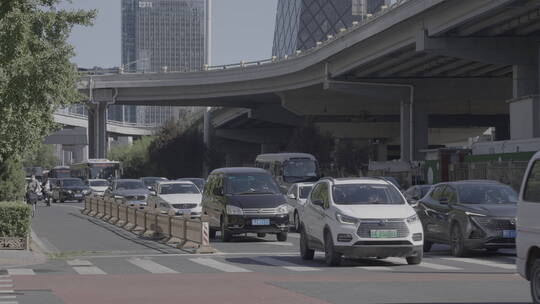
{"x":375,"y":268}
{"x":6,"y":285}
{"x":273,"y":243}
{"x":20,"y":271}
{"x":7,"y":297}
{"x":294,"y":236}
{"x":9,"y":302}
{"x":6,"y":291}
{"x":79,"y":263}
{"x":88,"y":270}
{"x":219,"y":265}
{"x":284,"y":264}
{"x":5,"y":281}
{"x":151,"y":266}
{"x":483,"y":263}
{"x":424,"y":264}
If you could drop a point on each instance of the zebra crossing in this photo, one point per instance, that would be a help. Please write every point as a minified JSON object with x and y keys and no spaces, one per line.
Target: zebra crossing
{"x":7,"y":293}
{"x":251,"y":264}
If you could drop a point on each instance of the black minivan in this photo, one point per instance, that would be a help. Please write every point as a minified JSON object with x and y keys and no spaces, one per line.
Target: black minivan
{"x":245,"y":200}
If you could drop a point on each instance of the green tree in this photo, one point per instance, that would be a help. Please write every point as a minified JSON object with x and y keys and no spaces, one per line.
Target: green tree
{"x":135,"y":158}
{"x":43,"y":156}
{"x":12,"y":183}
{"x":310,"y":140}
{"x":36,"y":75}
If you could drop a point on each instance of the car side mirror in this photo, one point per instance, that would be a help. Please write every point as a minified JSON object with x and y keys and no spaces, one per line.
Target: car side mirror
{"x":413,"y":202}
{"x":319,"y":203}
{"x":291,"y":196}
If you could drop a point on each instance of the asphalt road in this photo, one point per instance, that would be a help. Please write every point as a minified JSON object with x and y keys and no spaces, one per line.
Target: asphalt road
{"x":93,"y":262}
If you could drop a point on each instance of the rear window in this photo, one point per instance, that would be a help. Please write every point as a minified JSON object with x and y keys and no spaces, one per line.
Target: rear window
{"x":257,"y":183}
{"x":364,"y":194}
{"x":532,"y":185}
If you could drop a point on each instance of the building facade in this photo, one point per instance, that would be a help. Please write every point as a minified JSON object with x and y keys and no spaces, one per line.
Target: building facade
{"x":300,"y":24}
{"x":159,"y":35}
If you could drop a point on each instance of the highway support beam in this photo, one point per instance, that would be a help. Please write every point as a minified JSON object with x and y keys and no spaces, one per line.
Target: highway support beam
{"x":525,"y":104}
{"x":97,"y":121}
{"x":414,"y":120}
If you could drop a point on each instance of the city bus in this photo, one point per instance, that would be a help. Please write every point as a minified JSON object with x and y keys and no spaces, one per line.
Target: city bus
{"x":290,"y":168}
{"x":96,"y":169}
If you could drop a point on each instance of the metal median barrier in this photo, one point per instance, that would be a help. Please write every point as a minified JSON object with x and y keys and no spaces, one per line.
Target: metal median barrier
{"x":181,"y":232}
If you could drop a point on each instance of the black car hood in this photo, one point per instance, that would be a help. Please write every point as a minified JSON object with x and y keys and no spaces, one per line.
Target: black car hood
{"x":131,"y":192}
{"x":75,"y":188}
{"x":496,"y":210}
{"x":256,"y":200}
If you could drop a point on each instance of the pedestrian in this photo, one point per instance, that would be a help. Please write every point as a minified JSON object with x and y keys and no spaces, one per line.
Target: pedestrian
{"x":32,"y":193}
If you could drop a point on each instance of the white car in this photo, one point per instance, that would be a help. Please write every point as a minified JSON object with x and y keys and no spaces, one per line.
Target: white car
{"x":296,"y":198}
{"x":177,"y":198}
{"x":98,"y":186}
{"x":359,"y":217}
{"x":528,"y":227}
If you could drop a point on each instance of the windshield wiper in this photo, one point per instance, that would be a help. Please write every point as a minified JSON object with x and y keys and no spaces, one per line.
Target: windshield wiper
{"x":254,"y":192}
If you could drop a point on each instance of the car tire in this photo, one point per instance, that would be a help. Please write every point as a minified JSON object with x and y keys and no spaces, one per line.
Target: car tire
{"x":226,"y":236}
{"x":212,"y":233}
{"x":332,"y":257}
{"x":535,"y":281}
{"x":457,"y":243}
{"x":306,"y":253}
{"x":282,"y":236}
{"x":296,"y":222}
{"x":427,"y":246}
{"x":415,"y":260}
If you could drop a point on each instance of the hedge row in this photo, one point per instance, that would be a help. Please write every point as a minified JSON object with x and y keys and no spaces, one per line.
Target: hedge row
{"x":14,"y":219}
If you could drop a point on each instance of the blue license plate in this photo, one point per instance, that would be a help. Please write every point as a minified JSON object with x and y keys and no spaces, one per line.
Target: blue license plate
{"x":260,"y":222}
{"x":509,"y":234}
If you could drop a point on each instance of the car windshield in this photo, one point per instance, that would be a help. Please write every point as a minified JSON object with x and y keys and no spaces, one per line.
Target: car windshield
{"x":151,"y":181}
{"x":304,"y":191}
{"x":257,"y":183}
{"x":486,"y":194}
{"x":179,"y":189}
{"x":199,"y":182}
{"x":129,"y":185}
{"x":300,"y":167}
{"x":99,"y":183}
{"x":366,"y":194}
{"x":72,"y":183}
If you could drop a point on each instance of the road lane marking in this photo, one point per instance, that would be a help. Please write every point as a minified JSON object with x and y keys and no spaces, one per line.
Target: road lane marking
{"x":294,"y":236}
{"x":483,"y":263}
{"x":6,"y":291}
{"x":7,"y":297}
{"x":424,"y":264}
{"x":151,"y":266}
{"x":88,"y":270}
{"x":281,"y":263}
{"x":20,"y":271}
{"x":272,"y":243}
{"x":9,"y":302}
{"x":375,"y":268}
{"x":5,"y":281}
{"x":6,"y":285}
{"x":79,"y":263}
{"x":225,"y":267}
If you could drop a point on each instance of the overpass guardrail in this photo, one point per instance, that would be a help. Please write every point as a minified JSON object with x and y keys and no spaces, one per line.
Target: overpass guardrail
{"x":181,"y":232}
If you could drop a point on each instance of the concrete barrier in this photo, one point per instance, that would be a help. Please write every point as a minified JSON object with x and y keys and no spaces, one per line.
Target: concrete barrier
{"x":182,"y":232}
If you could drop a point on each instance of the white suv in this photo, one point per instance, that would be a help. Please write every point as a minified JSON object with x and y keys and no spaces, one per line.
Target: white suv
{"x":528,"y":228}
{"x":360,"y":217}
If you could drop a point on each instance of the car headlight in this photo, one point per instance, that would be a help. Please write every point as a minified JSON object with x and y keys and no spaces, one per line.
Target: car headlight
{"x":233,"y":210}
{"x":282,"y":209}
{"x":69,"y":191}
{"x":413,"y":219}
{"x":345,"y":219}
{"x":481,"y":219}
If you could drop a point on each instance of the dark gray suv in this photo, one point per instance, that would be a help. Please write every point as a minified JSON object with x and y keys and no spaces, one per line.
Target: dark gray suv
{"x":469,"y":215}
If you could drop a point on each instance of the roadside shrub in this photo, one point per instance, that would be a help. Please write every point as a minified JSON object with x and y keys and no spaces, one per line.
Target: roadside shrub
{"x":14,"y":219}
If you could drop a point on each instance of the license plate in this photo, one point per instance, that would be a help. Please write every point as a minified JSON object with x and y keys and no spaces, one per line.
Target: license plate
{"x":78,"y":195}
{"x":383,"y":234}
{"x":260,"y":222}
{"x":509,"y":234}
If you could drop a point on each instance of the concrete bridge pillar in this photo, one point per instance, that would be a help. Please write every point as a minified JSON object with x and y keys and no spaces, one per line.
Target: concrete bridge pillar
{"x":524,"y":107}
{"x":414,"y":130}
{"x":97,"y":122}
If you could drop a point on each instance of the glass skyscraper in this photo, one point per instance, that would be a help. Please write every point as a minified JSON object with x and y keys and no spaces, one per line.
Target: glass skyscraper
{"x":301,"y":23}
{"x":158,"y":35}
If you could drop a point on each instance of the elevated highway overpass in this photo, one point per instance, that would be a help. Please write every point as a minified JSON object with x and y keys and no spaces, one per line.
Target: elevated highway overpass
{"x":416,"y":66}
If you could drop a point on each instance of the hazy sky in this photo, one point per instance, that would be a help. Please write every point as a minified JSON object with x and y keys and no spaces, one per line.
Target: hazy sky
{"x":241,"y":30}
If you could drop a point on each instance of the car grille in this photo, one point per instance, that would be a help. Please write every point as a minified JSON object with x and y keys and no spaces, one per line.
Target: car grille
{"x":184,"y":206}
{"x":364,"y":231}
{"x":135,"y":198}
{"x":501,"y":224}
{"x":259,"y":211}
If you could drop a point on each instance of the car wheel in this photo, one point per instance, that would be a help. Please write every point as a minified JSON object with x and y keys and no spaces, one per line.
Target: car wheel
{"x":212,"y":233}
{"x":415,"y":260}
{"x":226,"y":235}
{"x":535,"y":282}
{"x":305,"y":252}
{"x":332,"y":257}
{"x":282,"y":236}
{"x":427,"y":246}
{"x":296,"y":222}
{"x":457,"y":242}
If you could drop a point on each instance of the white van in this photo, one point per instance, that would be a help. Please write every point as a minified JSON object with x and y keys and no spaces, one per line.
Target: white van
{"x":528,"y":227}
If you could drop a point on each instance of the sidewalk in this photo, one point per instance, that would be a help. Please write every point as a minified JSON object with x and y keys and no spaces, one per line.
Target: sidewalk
{"x":20,"y":258}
